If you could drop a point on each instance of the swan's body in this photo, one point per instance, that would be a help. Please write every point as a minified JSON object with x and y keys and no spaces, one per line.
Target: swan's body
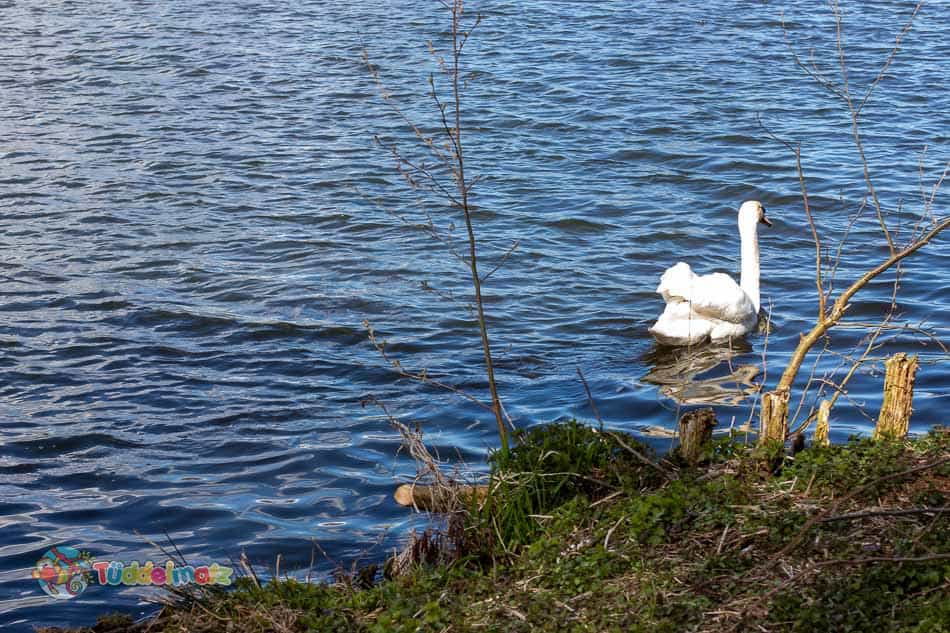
{"x":713,"y":307}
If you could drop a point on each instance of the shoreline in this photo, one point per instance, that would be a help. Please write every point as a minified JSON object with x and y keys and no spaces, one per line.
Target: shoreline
{"x":578,"y":533}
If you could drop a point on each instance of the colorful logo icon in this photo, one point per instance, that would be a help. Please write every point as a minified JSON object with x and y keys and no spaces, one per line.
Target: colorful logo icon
{"x":64,"y":572}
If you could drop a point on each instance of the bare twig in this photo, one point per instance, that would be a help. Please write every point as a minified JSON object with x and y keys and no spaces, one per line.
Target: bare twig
{"x":855,"y":111}
{"x":421,"y":376}
{"x":413,"y":441}
{"x":459,"y":159}
{"x":640,"y":456}
{"x":883,"y":559}
{"x":844,"y":238}
{"x":872,"y":338}
{"x":928,"y":206}
{"x":504,"y":258}
{"x":797,"y":151}
{"x":891,"y":55}
{"x":590,"y":397}
{"x":886,"y":513}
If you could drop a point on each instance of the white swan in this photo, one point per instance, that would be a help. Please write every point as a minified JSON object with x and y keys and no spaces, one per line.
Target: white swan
{"x":714,"y":307}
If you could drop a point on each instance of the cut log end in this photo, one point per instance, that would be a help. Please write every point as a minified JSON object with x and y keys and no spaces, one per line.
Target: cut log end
{"x":403,"y":495}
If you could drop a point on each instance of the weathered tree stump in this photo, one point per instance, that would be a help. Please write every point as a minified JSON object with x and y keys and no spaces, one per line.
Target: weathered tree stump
{"x":695,"y":432}
{"x":899,"y":376}
{"x":773,"y":420}
{"x":823,"y":426}
{"x":438,"y":499}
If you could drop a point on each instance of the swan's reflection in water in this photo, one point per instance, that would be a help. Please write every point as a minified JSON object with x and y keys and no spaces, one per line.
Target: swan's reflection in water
{"x":705,"y":374}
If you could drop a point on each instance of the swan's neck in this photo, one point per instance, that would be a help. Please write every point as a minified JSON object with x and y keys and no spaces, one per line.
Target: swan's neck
{"x":749,"y":280}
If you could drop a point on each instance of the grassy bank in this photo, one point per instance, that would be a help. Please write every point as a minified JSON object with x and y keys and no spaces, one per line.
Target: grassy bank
{"x":588,"y":531}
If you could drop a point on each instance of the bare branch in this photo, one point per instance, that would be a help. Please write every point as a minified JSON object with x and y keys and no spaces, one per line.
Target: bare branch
{"x":812,"y":69}
{"x":429,"y":226}
{"x":841,"y":304}
{"x":640,"y":456}
{"x":504,"y":258}
{"x":797,"y":151}
{"x":856,"y":364}
{"x":897,"y":327}
{"x":928,"y":207}
{"x":387,"y":97}
{"x":468,"y":33}
{"x":457,"y":9}
{"x":811,"y":380}
{"x":446,"y":128}
{"x":884,"y":559}
{"x":421,"y":376}
{"x":893,"y":512}
{"x":420,"y":168}
{"x":855,"y":131}
{"x":413,"y":441}
{"x":841,"y":243}
{"x":892,"y":55}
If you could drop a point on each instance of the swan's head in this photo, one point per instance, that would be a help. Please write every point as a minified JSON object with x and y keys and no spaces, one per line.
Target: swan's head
{"x":752,"y":213}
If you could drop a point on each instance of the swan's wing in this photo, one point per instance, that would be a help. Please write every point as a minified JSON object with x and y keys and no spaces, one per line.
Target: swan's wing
{"x":676,"y":283}
{"x":716,"y":296}
{"x":719,"y":296}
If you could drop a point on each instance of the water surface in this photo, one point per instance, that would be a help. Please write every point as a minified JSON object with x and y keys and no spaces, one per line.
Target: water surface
{"x":195,"y":221}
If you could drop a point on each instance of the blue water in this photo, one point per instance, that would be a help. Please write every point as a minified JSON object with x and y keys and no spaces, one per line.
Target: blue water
{"x":195,"y":221}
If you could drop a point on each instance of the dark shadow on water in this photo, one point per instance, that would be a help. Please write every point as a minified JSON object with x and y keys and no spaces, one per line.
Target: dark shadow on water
{"x":704,"y":374}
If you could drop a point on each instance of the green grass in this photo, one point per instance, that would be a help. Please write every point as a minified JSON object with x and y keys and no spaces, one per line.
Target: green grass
{"x":548,"y":467}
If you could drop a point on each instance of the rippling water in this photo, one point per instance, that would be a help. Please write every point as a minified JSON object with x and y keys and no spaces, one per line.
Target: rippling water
{"x":194,"y":223}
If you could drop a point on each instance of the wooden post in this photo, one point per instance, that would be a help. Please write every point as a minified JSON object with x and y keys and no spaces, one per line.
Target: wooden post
{"x":894,"y":419}
{"x":695,"y":432}
{"x":773,"y":421}
{"x":435,"y":499}
{"x":823,"y":426}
